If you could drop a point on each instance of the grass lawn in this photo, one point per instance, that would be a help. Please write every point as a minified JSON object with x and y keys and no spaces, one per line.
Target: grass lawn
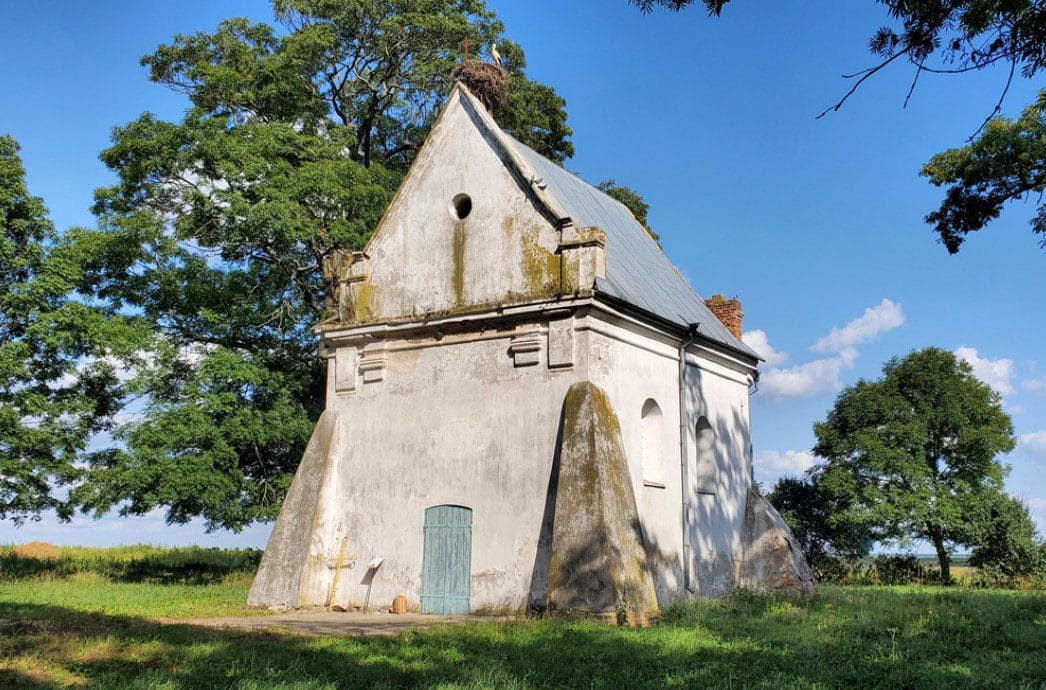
{"x":85,"y":592}
{"x":97,"y":633}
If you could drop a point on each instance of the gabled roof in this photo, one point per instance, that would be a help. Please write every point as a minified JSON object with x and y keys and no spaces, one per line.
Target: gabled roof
{"x":637,"y":272}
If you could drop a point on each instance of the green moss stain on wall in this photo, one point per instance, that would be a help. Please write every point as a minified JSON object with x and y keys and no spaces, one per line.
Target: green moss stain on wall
{"x":598,"y":562}
{"x":539,"y":275}
{"x":457,"y":276}
{"x":364,"y":304}
{"x":540,"y":266}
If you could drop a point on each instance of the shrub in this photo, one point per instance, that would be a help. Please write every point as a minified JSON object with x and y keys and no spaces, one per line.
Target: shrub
{"x":900,"y":569}
{"x":832,"y":568}
{"x":1005,"y":544}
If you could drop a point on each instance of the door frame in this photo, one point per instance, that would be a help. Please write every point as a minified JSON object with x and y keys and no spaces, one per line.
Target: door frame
{"x":443,"y":609}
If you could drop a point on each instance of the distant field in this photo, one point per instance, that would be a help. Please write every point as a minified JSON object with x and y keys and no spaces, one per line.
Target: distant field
{"x":139,"y":563}
{"x":88,"y":629}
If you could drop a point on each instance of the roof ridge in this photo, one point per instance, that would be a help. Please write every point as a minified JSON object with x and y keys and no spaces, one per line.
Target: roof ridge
{"x":636,"y":274}
{"x":632,"y":267}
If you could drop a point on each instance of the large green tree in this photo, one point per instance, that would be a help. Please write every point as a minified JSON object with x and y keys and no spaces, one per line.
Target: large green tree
{"x":225,"y":231}
{"x":910,"y":455}
{"x":1004,"y":159}
{"x":56,"y":382}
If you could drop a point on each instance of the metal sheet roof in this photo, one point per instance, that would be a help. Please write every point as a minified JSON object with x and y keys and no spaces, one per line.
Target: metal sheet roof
{"x":638,"y":272}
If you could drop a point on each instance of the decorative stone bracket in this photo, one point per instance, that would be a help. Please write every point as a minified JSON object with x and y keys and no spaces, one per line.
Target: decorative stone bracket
{"x":344,"y":363}
{"x":525,"y":348}
{"x":561,"y":342}
{"x":373,"y":363}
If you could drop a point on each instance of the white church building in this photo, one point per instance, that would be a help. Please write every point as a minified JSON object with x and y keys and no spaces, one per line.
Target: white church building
{"x":528,"y":407}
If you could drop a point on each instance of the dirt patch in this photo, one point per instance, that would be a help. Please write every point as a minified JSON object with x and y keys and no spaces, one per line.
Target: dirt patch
{"x":41,"y":551}
{"x":322,"y":623}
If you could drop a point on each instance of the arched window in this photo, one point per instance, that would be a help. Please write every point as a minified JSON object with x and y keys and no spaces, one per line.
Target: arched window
{"x":650,"y":449}
{"x":704,"y":465}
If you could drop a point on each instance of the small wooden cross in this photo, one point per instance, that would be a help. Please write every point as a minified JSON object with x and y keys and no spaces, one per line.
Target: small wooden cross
{"x":340,"y":563}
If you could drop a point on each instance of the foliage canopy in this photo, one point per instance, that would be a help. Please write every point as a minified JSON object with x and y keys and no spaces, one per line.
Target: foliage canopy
{"x":58,"y":357}
{"x":225,"y":233}
{"x":909,"y":455}
{"x":809,"y":513}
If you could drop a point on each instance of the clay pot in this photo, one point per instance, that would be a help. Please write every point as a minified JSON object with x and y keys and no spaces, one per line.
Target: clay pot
{"x":399,"y":604}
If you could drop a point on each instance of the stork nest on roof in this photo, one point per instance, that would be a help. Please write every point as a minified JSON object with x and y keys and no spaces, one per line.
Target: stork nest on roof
{"x":487,"y":82}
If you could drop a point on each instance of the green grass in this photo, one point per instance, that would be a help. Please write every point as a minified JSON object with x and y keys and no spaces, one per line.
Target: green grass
{"x":141,"y":581}
{"x":138,"y":563}
{"x":90,"y":619}
{"x":89,"y":592}
{"x":53,"y":636}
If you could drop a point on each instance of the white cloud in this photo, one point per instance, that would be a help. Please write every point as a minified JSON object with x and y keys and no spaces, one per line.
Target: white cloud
{"x":997,"y":373}
{"x":885,"y":316}
{"x":126,"y":416}
{"x":771,"y":465}
{"x":113,"y":530}
{"x":1036,"y":503}
{"x":1034,"y":384}
{"x":123,"y":369}
{"x":825,"y":374}
{"x":795,"y":461}
{"x":818,"y":376}
{"x":803,"y":379}
{"x":758,"y":341}
{"x":194,"y":353}
{"x":1032,"y":445}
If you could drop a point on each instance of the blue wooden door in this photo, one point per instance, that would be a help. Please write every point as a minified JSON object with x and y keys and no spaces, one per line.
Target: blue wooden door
{"x":447,"y":560}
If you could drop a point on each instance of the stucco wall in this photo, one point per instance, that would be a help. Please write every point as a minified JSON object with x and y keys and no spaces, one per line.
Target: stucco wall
{"x":454,"y":420}
{"x":634,"y":368}
{"x":467,"y":413}
{"x":634,"y":364}
{"x":423,"y":260}
{"x":718,"y":392}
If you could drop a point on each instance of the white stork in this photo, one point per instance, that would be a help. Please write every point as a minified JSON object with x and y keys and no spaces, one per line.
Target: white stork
{"x":495,"y":54}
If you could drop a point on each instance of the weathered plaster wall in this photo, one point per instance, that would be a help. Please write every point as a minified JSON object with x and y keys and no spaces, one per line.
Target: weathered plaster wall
{"x":463,"y":420}
{"x":633,"y":368}
{"x":285,"y":566}
{"x":718,"y":391}
{"x":599,"y":564}
{"x":634,"y":364}
{"x":441,"y":391}
{"x":771,"y":559}
{"x":423,"y":260}
{"x":468,"y":414}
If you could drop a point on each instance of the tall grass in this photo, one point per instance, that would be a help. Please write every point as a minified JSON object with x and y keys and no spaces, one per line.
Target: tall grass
{"x":138,"y":563}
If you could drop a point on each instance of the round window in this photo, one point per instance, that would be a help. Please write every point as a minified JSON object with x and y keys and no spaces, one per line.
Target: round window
{"x":461,"y":206}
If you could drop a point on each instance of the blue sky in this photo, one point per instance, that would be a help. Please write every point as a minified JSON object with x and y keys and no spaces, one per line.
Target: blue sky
{"x":814,"y":224}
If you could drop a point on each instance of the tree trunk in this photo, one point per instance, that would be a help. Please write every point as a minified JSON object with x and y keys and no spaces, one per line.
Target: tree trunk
{"x":942,"y":558}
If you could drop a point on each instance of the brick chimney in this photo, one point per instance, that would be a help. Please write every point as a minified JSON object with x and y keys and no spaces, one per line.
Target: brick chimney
{"x":728,"y":311}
